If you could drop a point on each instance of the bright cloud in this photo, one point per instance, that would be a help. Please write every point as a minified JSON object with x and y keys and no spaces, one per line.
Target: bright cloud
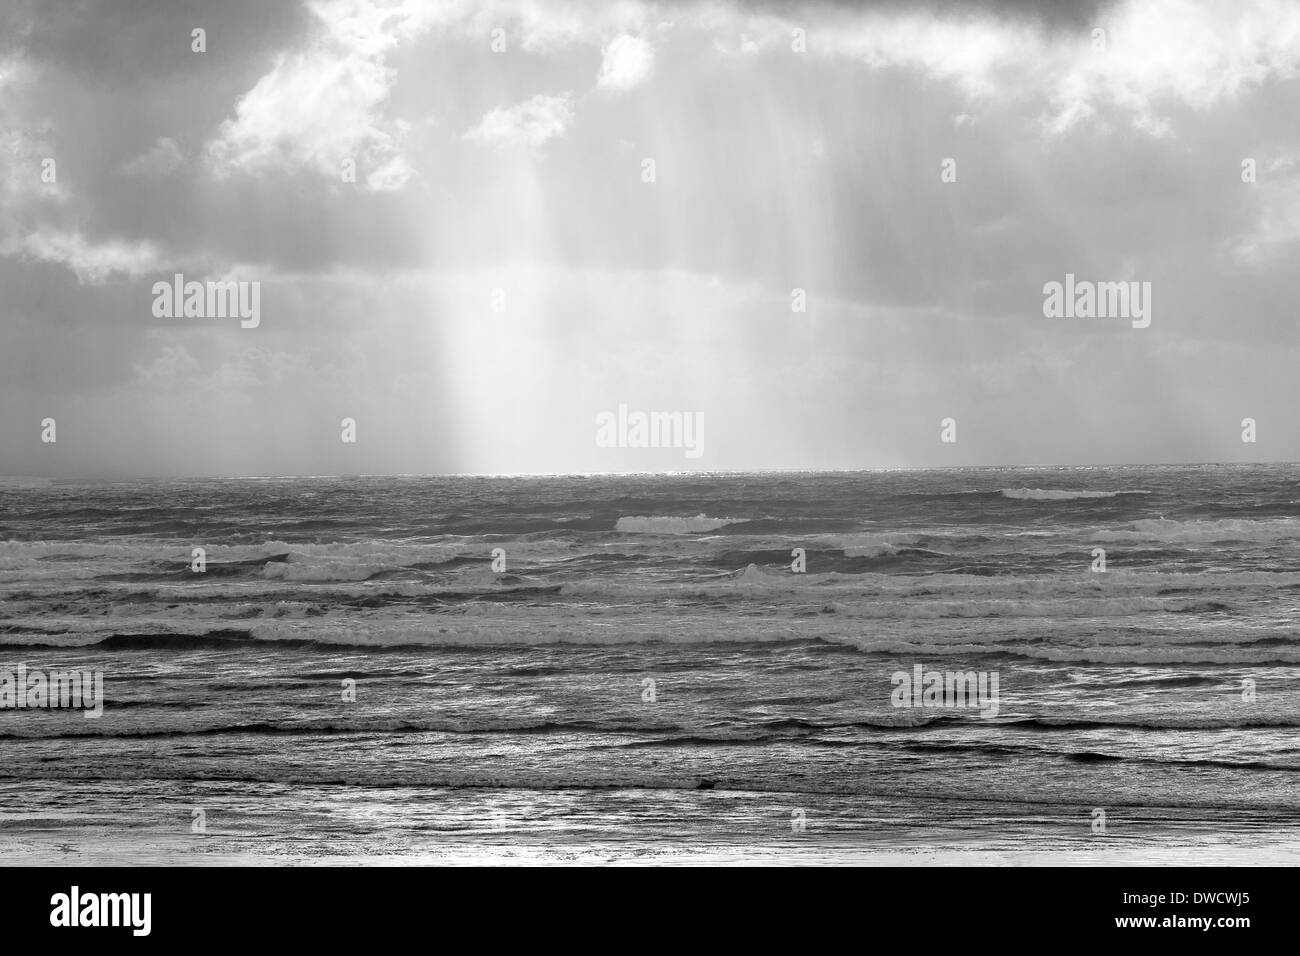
{"x":627,"y":62}
{"x":92,"y":262}
{"x":323,"y":106}
{"x":528,"y":124}
{"x":1156,"y":53}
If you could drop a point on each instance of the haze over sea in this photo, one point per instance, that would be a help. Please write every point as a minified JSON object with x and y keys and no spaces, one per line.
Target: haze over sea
{"x":507,"y":715}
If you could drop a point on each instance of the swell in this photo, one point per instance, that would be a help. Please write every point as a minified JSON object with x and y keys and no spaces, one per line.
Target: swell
{"x":975,"y":749}
{"x":331,"y":728}
{"x":429,"y":635}
{"x":1096,"y":757}
{"x":778,"y":730}
{"x":839,"y":561}
{"x":960,"y":795}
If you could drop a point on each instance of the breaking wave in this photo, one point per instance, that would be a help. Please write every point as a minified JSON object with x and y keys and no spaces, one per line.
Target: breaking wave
{"x":1042,"y":494}
{"x":671,"y":524}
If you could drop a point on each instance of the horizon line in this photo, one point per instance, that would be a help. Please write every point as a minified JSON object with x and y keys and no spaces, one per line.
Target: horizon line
{"x":639,"y":474}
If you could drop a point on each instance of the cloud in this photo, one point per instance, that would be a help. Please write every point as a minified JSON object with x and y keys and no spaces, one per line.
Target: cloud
{"x":93,"y":262}
{"x":528,"y":124}
{"x":1163,"y":52}
{"x":546,"y":28}
{"x":627,"y":61}
{"x":328,"y":100}
{"x":321,"y":106}
{"x":21,"y":156}
{"x":817,"y":169}
{"x":1276,"y":231}
{"x":25,"y":142}
{"x":1156,"y":54}
{"x":313,"y":110}
{"x":163,"y":159}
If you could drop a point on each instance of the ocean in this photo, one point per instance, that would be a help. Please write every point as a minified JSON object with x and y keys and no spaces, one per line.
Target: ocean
{"x":644,"y":677}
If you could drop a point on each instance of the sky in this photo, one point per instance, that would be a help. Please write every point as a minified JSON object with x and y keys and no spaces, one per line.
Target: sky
{"x":448,"y":211}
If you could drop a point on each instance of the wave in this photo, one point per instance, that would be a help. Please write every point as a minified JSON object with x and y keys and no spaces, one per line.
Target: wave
{"x":883,"y":727}
{"x":1167,"y":680}
{"x":827,"y":561}
{"x":164,"y":561}
{"x":900,"y":720}
{"x":1150,"y":722}
{"x":671,"y":524}
{"x":1226,"y":654}
{"x":1097,"y":757}
{"x":523,"y":619}
{"x":1205,"y":531}
{"x":1048,"y":494}
{"x":350,"y":726}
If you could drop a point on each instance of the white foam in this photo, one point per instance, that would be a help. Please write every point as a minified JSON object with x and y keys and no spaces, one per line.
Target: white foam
{"x":1050,"y":494}
{"x":671,"y":524}
{"x":864,"y":544}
